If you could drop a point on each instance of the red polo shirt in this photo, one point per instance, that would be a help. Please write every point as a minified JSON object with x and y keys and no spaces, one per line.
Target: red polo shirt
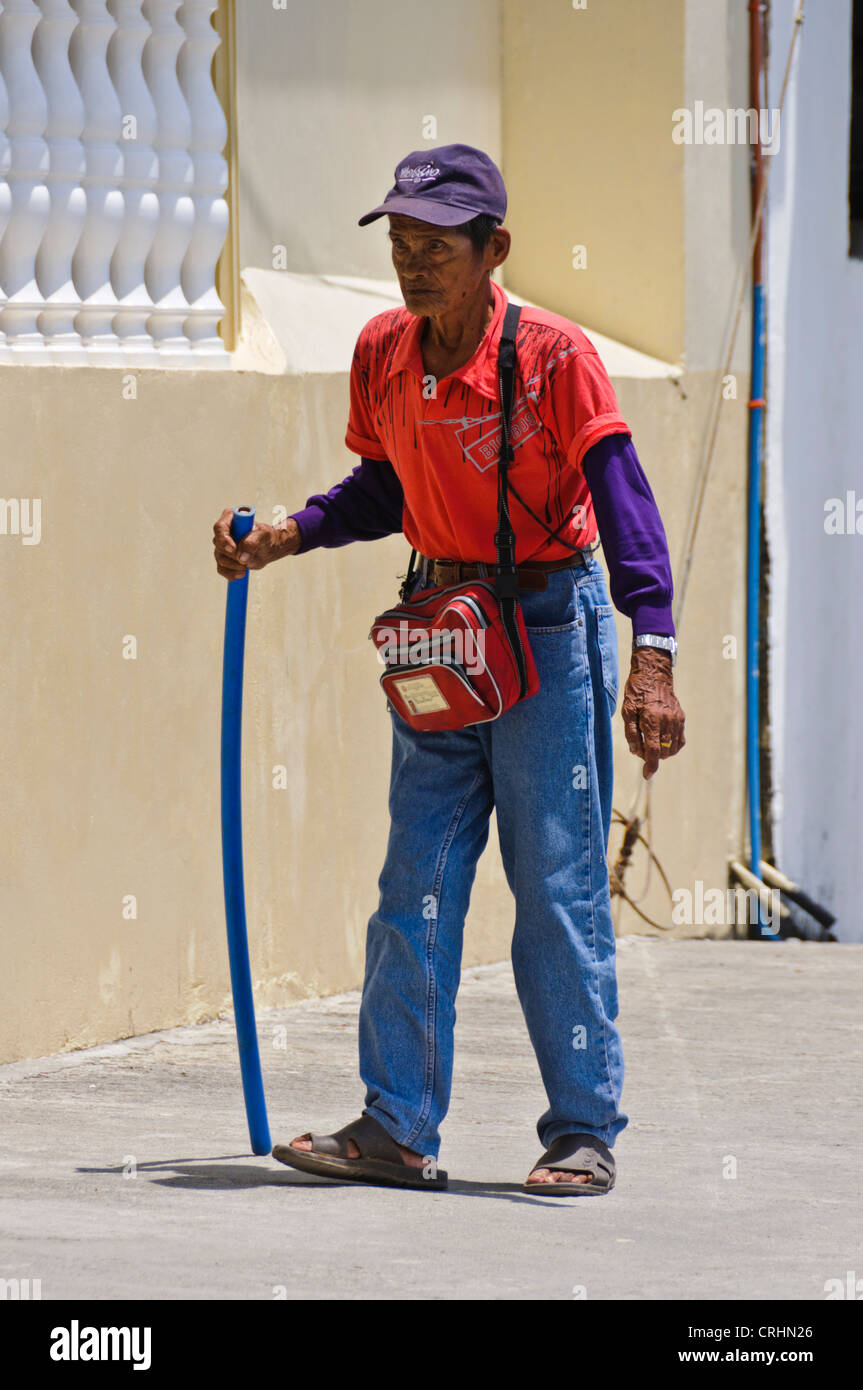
{"x":444,"y":446}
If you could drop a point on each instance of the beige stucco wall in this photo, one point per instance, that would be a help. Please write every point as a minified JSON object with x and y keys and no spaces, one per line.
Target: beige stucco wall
{"x":576,"y":106}
{"x":587,"y":101}
{"x":716,"y":225}
{"x":589,"y":161}
{"x":112,"y":775}
{"x":329,"y":98}
{"x":111,"y":771}
{"x":698,"y":797}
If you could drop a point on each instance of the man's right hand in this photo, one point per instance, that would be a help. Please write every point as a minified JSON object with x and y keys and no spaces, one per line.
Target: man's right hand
{"x":260,"y":547}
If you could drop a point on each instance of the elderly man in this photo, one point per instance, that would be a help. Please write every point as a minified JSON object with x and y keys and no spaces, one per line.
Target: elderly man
{"x":423,"y":394}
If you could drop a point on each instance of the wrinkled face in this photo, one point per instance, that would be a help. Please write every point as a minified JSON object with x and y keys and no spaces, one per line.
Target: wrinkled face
{"x":437,"y":267}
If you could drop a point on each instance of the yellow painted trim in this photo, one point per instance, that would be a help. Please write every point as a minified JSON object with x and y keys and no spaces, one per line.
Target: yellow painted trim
{"x":225,"y":83}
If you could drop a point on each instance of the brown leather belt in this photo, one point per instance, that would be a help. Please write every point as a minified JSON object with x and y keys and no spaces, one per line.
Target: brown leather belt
{"x":531,"y":575}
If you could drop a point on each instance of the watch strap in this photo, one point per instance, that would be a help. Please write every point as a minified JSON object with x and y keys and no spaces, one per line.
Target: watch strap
{"x":658,"y":641}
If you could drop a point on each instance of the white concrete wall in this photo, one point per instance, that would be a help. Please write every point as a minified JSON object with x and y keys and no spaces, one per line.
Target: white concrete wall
{"x":815,"y":422}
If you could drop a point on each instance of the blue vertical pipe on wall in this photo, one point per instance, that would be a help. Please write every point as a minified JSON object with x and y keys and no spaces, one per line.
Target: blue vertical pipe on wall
{"x":232,"y":846}
{"x":753,"y":586}
{"x":758,"y":100}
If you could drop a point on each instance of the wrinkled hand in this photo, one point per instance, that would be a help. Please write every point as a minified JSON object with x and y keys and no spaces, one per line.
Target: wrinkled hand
{"x":651,"y":712}
{"x":260,"y":547}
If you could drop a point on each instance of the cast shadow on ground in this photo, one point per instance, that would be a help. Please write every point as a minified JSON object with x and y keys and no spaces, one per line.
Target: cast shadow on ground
{"x":212,"y":1174}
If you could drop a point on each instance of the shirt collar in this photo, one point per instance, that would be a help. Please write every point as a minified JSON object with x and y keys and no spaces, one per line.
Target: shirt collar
{"x":479,"y":372}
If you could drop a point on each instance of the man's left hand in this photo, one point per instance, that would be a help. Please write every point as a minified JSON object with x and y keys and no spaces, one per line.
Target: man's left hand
{"x":652,"y":717}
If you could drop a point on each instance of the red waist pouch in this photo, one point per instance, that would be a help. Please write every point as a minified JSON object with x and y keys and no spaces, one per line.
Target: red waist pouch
{"x":450,"y":660}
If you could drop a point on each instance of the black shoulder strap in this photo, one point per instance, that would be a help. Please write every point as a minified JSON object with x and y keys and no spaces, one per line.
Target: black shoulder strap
{"x":506,"y":574}
{"x":505,"y":538}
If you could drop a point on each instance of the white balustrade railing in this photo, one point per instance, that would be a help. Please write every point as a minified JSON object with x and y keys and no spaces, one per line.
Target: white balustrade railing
{"x":209,"y":133}
{"x":140,"y":176}
{"x":112,"y":183}
{"x":66,"y":170}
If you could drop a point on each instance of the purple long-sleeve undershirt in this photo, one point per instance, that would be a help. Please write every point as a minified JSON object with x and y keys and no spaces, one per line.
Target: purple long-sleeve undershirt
{"x":368,"y":504}
{"x":364,"y":506}
{"x":632,"y":535}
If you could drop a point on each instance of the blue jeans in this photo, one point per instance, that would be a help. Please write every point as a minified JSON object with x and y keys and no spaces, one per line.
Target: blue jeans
{"x":546,"y":765}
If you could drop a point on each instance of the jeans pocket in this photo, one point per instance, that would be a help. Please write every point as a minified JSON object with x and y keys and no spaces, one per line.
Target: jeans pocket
{"x":555,"y":609}
{"x":607,"y":640}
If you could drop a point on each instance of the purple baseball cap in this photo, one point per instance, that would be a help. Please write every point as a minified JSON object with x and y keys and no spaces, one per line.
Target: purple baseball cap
{"x":447,"y":185}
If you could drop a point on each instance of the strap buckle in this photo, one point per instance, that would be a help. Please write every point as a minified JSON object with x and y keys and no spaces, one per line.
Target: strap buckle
{"x":506,"y":581}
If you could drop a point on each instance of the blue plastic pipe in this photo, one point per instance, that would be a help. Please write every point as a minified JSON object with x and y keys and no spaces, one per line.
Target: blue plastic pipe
{"x":232,"y":846}
{"x":753,"y":591}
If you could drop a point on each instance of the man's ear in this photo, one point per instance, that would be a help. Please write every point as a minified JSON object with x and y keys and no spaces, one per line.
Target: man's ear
{"x":498,"y":247}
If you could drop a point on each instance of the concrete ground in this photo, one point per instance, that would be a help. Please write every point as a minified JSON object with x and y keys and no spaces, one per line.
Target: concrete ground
{"x":125,"y":1172}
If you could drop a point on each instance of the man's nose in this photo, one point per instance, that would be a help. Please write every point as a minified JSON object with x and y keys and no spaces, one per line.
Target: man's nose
{"x":413,"y":259}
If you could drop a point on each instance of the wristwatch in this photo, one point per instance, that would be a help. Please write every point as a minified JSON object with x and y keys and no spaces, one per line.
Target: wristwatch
{"x":650,"y":639}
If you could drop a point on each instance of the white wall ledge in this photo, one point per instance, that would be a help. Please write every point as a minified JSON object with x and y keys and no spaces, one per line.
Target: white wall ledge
{"x":299,"y":324}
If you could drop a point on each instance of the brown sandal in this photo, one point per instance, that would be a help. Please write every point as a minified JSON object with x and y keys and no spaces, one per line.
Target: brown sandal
{"x":576,"y":1153}
{"x":380,"y":1159}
